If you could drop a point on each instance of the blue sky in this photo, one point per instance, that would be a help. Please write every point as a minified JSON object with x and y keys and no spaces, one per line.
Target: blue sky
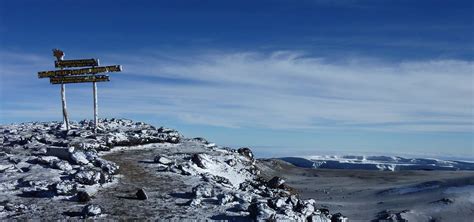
{"x":285,"y":77}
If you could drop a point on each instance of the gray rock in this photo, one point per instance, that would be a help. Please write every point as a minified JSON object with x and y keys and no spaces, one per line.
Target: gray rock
{"x":88,"y":177}
{"x":198,"y":159}
{"x":338,"y":217}
{"x":65,"y":188}
{"x":62,"y":165}
{"x":79,"y":158}
{"x":246,"y":152}
{"x":231,"y":162}
{"x":141,"y":194}
{"x":83,"y":196}
{"x":163,"y":160}
{"x":261,"y":211}
{"x":204,"y":190}
{"x":276,"y":182}
{"x":225,"y":198}
{"x":318,"y":218}
{"x":91,"y":210}
{"x":107,"y":166}
{"x":60,"y":152}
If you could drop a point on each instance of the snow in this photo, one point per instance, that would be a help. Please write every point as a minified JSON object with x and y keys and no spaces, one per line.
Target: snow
{"x":382,"y":163}
{"x":466,"y":192}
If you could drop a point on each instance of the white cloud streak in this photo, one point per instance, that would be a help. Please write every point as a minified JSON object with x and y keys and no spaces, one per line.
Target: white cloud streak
{"x":287,"y":90}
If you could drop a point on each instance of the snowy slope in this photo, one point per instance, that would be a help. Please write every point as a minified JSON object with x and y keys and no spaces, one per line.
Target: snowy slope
{"x":49,"y":173}
{"x":384,"y":163}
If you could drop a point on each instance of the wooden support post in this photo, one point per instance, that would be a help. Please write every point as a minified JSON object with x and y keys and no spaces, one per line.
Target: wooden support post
{"x":63,"y":101}
{"x":96,"y":120}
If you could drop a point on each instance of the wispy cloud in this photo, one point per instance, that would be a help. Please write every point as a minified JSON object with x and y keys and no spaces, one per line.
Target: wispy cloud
{"x":279,"y":90}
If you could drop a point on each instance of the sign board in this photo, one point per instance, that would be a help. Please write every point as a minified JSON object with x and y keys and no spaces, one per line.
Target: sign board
{"x":76,"y":63}
{"x":68,"y":72}
{"x":78,"y":79}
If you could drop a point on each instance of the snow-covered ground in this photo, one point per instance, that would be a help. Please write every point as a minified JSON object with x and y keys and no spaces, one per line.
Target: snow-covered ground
{"x":384,"y":163}
{"x":137,"y":171}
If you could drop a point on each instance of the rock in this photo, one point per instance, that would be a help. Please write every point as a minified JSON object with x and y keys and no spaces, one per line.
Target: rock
{"x":338,"y":217}
{"x":107,"y":166}
{"x":305,"y":207}
{"x":62,"y":165}
{"x":201,"y":140}
{"x":141,"y":194}
{"x":246,"y":152}
{"x":278,"y":202}
{"x":275,"y":182}
{"x":65,"y":188}
{"x":83,"y":196}
{"x":195,"y":202}
{"x":204,"y":190}
{"x":88,"y":177}
{"x":444,"y":201}
{"x":231,"y":162}
{"x":293,"y":200}
{"x":60,"y":152}
{"x":225,"y":198}
{"x":261,"y":211}
{"x":91,"y":210}
{"x":163,"y":160}
{"x":198,"y":159}
{"x":79,"y":158}
{"x":318,"y":218}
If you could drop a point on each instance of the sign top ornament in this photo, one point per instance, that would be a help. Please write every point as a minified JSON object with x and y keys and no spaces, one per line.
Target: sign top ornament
{"x":58,"y":54}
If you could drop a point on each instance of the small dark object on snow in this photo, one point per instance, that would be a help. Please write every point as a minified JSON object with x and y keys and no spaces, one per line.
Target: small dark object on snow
{"x":246,"y":152}
{"x":83,"y":196}
{"x":141,"y":195}
{"x":276,"y":182}
{"x":444,"y":201}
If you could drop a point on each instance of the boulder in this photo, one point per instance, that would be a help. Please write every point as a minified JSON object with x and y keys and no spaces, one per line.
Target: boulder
{"x":231,"y":162}
{"x":261,"y":211}
{"x":62,"y":165}
{"x":107,"y":166}
{"x":65,"y":188}
{"x":79,"y":158}
{"x":225,"y":198}
{"x":318,"y":218}
{"x":204,"y":190}
{"x":338,"y":217}
{"x":198,"y":159}
{"x":83,"y":196}
{"x":91,"y":210}
{"x":162,"y":160}
{"x":60,"y":152}
{"x":275,"y":182}
{"x":246,"y":152}
{"x":141,"y":194}
{"x":88,"y":177}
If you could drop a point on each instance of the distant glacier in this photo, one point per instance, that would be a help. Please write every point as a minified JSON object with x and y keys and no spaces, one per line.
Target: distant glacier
{"x":382,"y":163}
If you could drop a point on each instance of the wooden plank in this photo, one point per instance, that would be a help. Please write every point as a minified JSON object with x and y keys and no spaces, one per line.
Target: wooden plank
{"x":78,"y":79}
{"x":76,"y":63}
{"x":72,"y":72}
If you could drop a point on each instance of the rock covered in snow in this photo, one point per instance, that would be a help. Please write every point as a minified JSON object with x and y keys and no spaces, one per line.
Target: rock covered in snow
{"x":88,"y":177}
{"x":162,"y":160}
{"x":91,"y":210}
{"x":247,"y":152}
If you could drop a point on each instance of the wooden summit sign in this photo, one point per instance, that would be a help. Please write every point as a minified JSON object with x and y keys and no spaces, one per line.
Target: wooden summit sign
{"x":76,"y":63}
{"x":68,"y":72}
{"x":84,"y":75}
{"x":78,"y":79}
